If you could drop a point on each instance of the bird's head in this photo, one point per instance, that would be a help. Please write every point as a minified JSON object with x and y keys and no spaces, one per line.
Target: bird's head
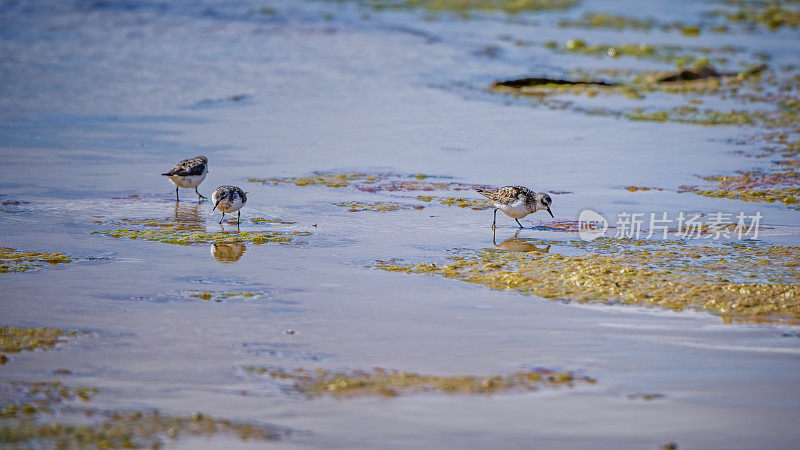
{"x":543,"y":201}
{"x":218,"y":197}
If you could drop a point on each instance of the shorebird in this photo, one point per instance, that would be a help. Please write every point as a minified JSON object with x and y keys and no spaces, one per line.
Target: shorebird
{"x":517,"y":202}
{"x":229,"y":199}
{"x":188,"y":174}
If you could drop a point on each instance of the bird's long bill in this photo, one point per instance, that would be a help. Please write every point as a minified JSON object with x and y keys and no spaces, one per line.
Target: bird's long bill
{"x":551,"y":213}
{"x":215,"y":205}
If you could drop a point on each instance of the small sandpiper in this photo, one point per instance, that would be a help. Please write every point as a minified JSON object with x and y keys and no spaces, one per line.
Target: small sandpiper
{"x":188,"y":174}
{"x":517,"y":202}
{"x":229,"y":199}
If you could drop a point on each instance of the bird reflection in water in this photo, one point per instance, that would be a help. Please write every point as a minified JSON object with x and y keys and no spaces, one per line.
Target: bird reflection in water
{"x":516,"y":244}
{"x":188,"y":217}
{"x":227,"y":253}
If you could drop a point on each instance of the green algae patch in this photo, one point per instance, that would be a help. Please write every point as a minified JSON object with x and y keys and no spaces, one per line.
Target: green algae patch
{"x":772,"y":15}
{"x":390,"y":383}
{"x":372,"y":182}
{"x":12,"y":260}
{"x":178,"y":232}
{"x":738,"y":282}
{"x":477,"y":205}
{"x":705,"y":116}
{"x":701,"y":71}
{"x":15,"y":340}
{"x":179,"y":238}
{"x":329,"y":179}
{"x":607,"y":20}
{"x":125,"y":429}
{"x":377,"y":206}
{"x":44,"y":414}
{"x":41,"y":396}
{"x":780,"y":184}
{"x":788,"y":196}
{"x":421,"y":185}
{"x":619,"y":22}
{"x":258,"y":220}
{"x":778,"y":118}
{"x":219,"y":296}
{"x":642,"y":188}
{"x":466,"y":8}
{"x":663,"y":53}
{"x":781,"y":187}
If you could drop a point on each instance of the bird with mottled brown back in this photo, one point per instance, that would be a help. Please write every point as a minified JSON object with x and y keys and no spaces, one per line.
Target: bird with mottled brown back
{"x":188,"y":174}
{"x":517,"y":202}
{"x":229,"y":199}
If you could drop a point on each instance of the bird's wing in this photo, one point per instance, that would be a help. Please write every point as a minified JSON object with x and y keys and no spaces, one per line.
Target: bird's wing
{"x":242,"y":194}
{"x":508,"y":194}
{"x":188,"y":167}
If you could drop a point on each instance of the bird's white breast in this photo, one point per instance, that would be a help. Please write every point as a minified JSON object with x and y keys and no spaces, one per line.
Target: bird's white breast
{"x":190,"y":181}
{"x":228,"y":206}
{"x":518,"y":209}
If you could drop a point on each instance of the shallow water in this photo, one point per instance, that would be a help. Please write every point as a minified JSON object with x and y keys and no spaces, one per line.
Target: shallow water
{"x":98,"y":99}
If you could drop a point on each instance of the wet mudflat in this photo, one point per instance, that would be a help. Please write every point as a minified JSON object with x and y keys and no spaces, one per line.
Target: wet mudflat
{"x":363,"y":300}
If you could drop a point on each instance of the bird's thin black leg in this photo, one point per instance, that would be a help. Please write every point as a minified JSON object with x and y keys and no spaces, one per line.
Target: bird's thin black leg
{"x":520,"y":225}
{"x":177,"y":198}
{"x":199,"y":194}
{"x":495,"y":218}
{"x":223,"y":218}
{"x":238,"y":220}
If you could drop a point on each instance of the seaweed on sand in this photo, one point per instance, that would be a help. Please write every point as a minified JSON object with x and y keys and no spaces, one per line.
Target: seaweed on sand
{"x":391,"y":383}
{"x":44,"y":414}
{"x":736,"y":281}
{"x":13,"y":260}
{"x":377,"y":206}
{"x":178,"y":232}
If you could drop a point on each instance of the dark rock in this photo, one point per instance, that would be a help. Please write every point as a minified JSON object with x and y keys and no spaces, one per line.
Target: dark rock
{"x":541,"y":81}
